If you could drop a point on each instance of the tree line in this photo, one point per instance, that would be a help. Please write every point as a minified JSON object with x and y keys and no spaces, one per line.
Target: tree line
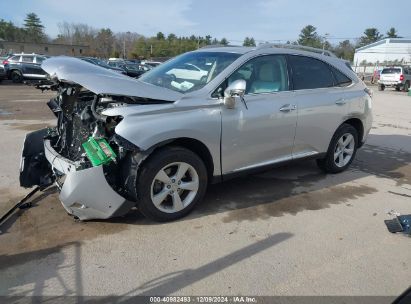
{"x":105,"y":43}
{"x":346,"y":48}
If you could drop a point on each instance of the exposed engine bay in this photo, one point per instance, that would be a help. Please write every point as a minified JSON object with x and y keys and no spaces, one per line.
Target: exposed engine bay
{"x":83,"y":139}
{"x":79,"y":119}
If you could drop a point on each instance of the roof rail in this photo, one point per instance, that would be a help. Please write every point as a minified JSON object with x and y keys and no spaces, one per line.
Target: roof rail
{"x":297,"y":47}
{"x":210,"y":46}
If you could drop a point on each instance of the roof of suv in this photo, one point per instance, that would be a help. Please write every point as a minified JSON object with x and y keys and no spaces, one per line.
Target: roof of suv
{"x":285,"y":49}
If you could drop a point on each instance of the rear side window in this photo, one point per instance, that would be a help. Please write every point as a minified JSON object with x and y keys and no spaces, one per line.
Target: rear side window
{"x":27,"y":58}
{"x":391,"y":71}
{"x":341,"y":80}
{"x":310,"y":73}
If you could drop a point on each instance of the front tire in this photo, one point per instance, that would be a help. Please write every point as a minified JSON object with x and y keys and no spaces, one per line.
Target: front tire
{"x":170,"y":183}
{"x":341,"y":151}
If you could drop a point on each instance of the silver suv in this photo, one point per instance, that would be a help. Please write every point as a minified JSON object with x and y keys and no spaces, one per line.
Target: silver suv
{"x":157,"y":142}
{"x":397,"y":77}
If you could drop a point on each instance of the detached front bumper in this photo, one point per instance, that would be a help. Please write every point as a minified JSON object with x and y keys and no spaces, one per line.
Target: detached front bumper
{"x":85,"y":193}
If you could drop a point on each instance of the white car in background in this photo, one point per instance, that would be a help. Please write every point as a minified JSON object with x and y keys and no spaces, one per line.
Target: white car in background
{"x":188,"y":71}
{"x":397,"y":77}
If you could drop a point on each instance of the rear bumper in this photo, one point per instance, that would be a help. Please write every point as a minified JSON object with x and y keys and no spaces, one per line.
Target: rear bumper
{"x":85,"y":193}
{"x":391,"y":83}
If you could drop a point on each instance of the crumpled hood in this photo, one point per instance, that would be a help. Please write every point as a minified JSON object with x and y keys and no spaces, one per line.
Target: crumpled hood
{"x":103,"y":81}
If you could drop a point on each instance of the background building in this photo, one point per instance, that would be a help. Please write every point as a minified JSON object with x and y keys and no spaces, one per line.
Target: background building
{"x":384,"y":52}
{"x":52,"y":49}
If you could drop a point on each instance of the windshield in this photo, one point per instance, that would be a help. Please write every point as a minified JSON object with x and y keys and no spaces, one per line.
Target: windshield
{"x":189,"y":72}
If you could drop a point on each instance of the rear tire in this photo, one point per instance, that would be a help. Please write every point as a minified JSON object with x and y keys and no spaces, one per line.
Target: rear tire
{"x":16,"y":76}
{"x":341,"y":151}
{"x":398,"y":88}
{"x":170,"y":183}
{"x":381,"y":87}
{"x":406,"y":86}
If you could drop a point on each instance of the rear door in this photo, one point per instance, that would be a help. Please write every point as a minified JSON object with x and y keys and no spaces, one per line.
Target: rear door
{"x":321,"y":105}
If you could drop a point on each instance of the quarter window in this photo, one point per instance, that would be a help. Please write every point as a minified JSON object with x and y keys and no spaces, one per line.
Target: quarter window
{"x":310,"y":73}
{"x":341,"y":80}
{"x":264,"y":74}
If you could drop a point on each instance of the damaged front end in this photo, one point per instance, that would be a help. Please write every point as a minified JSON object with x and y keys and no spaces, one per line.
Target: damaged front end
{"x":94,"y":168}
{"x":82,"y":154}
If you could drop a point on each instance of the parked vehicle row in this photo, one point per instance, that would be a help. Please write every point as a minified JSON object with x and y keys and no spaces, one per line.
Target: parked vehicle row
{"x":158,"y":141}
{"x":20,"y":67}
{"x":131,"y":68}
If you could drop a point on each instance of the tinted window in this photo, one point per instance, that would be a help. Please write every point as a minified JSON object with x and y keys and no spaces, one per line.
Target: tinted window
{"x":15,"y":58}
{"x":341,"y":80}
{"x":391,"y":71}
{"x":265,"y":74}
{"x":27,"y":58}
{"x":310,"y":73}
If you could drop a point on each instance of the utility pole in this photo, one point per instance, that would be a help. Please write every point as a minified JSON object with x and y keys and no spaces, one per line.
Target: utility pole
{"x":126,"y":35}
{"x":325,"y":39}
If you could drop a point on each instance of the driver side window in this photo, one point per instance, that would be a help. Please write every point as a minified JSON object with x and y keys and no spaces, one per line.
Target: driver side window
{"x":264,"y":74}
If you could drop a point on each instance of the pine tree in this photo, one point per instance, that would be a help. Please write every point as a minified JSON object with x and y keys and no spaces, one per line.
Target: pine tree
{"x":309,"y":37}
{"x":392,"y":33}
{"x":34,"y":28}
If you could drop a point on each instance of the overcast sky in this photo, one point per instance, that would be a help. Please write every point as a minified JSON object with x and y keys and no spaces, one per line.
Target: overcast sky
{"x":265,"y":20}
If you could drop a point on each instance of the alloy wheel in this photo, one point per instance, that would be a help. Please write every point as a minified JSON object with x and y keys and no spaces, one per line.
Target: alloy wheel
{"x":174,"y":187}
{"x":344,"y":150}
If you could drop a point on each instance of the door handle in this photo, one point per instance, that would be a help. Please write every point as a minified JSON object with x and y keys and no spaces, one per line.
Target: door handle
{"x":341,"y":101}
{"x":288,"y":108}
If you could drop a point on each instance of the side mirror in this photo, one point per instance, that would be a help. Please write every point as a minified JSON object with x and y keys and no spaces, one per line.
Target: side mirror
{"x":235,"y":89}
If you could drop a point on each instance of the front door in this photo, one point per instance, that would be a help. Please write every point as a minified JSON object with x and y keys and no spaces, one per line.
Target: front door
{"x":261,"y":130}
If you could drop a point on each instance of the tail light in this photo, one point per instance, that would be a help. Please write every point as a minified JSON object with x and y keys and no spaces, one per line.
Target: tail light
{"x":401,"y":77}
{"x":5,"y":62}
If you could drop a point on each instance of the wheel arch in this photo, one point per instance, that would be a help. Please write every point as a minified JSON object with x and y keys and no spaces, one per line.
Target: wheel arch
{"x":358,"y":125}
{"x":195,"y":146}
